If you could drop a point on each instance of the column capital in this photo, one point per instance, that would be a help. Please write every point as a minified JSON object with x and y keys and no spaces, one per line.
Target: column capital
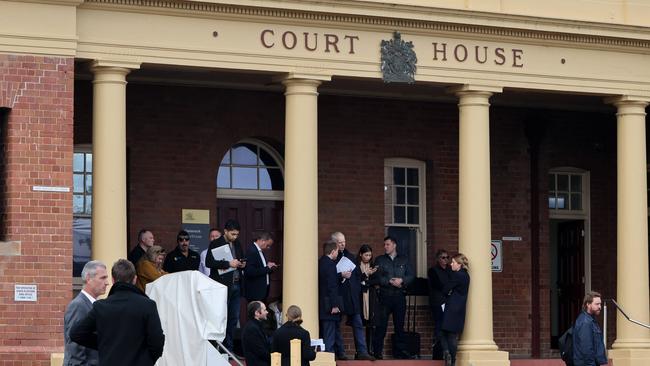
{"x":628,"y":100}
{"x":118,"y":69}
{"x":474,"y":88}
{"x":297,"y":76}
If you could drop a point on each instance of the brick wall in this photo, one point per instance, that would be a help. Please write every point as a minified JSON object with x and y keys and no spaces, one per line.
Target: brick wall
{"x":178,"y":135}
{"x":38,"y":91}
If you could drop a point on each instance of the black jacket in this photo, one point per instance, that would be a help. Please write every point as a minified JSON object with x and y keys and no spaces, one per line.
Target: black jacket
{"x":282,"y":341}
{"x":438,"y":279}
{"x":215,"y":265}
{"x":328,"y":289}
{"x":393,"y":268}
{"x":257,"y":350}
{"x":124,"y":328}
{"x":453,"y":319}
{"x":135,"y":254}
{"x":255,"y":287}
{"x":350,"y":289}
{"x":175,"y":261}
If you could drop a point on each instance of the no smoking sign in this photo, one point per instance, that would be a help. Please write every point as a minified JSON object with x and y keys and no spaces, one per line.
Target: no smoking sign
{"x":497,"y":256}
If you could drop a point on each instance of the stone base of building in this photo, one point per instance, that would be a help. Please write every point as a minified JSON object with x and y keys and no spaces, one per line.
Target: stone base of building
{"x":323,"y":359}
{"x":629,"y":357}
{"x":482,"y":358}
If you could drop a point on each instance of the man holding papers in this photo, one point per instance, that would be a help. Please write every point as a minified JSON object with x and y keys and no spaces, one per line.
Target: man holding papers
{"x":225,"y":260}
{"x":349,"y":276}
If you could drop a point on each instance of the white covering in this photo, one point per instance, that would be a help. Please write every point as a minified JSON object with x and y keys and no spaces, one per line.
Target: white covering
{"x":192,"y":310}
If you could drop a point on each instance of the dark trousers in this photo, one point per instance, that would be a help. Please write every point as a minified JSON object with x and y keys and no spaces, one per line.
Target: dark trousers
{"x":388,"y":305}
{"x":234,"y":294}
{"x":331,"y":334}
{"x":449,"y":343}
{"x":356,"y":323}
{"x":437,"y":322}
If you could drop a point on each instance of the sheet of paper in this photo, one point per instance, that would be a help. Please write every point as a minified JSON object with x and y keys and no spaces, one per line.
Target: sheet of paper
{"x":345,"y":265}
{"x":223,"y":253}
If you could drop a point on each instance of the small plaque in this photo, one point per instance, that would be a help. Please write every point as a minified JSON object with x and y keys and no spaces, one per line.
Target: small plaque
{"x":25,"y":292}
{"x":50,"y":189}
{"x":511,"y":238}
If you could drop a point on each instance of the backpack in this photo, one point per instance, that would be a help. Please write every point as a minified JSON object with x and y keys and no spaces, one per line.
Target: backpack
{"x":566,"y":347}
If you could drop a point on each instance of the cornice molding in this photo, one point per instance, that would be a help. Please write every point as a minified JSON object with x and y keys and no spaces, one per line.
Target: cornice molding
{"x":56,"y":2}
{"x":416,"y":25}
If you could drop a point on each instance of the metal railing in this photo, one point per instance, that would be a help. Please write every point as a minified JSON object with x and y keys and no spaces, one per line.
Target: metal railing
{"x":220,"y":347}
{"x":619,"y":308}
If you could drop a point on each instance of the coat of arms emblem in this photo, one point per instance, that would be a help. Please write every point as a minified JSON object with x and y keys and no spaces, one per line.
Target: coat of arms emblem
{"x":398,"y":60}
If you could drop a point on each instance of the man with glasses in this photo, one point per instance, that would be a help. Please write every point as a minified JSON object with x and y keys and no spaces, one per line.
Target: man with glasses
{"x":438,"y":277}
{"x":182,"y":258}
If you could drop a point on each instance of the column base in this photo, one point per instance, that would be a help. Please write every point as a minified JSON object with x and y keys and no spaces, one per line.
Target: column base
{"x":629,"y":357}
{"x":482,"y":358}
{"x":323,"y":359}
{"x":56,"y":359}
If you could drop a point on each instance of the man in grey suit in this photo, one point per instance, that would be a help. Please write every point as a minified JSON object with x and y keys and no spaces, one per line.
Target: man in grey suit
{"x":95,"y":279}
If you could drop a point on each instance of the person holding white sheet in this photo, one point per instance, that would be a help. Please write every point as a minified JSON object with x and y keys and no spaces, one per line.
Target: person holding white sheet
{"x":350,"y":290}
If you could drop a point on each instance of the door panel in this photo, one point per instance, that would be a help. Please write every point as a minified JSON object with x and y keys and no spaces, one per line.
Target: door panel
{"x":570,"y":280}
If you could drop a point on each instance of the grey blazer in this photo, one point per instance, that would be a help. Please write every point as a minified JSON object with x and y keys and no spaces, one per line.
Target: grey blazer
{"x":76,"y":354}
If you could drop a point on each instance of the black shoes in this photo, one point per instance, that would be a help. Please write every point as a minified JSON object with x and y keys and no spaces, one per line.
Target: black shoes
{"x":341,"y":357}
{"x":363,"y":356}
{"x":378,"y":356}
{"x":447,"y":356}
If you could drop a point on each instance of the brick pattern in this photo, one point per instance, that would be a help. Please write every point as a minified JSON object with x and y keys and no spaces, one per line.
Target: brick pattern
{"x":37,"y":151}
{"x":178,"y":135}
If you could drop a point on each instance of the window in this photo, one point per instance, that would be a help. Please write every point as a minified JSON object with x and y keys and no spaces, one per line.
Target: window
{"x":82,"y":189}
{"x":249,"y":166}
{"x":566,"y":192}
{"x":404,"y":210}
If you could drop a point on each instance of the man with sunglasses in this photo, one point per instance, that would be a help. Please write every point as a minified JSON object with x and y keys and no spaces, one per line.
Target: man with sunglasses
{"x":438,"y":276}
{"x":182,"y":258}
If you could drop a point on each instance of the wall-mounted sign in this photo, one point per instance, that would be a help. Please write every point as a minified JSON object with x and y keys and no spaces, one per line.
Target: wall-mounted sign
{"x":25,"y":292}
{"x":50,"y":189}
{"x":511,"y":238}
{"x":197,"y":224}
{"x":497,"y":256}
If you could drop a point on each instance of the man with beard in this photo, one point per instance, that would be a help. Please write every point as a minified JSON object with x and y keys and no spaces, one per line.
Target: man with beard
{"x":588,"y":347}
{"x":182,"y":258}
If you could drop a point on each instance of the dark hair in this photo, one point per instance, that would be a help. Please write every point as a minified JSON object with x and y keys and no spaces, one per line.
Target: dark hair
{"x":232,"y":225}
{"x":441,"y":252}
{"x":589,"y":298}
{"x":264,"y":235}
{"x":388,"y":237}
{"x":141,"y":233}
{"x":252,"y":308}
{"x":182,"y":233}
{"x":365,"y":248}
{"x":214,"y":229}
{"x":123,"y":271}
{"x":329,"y":246}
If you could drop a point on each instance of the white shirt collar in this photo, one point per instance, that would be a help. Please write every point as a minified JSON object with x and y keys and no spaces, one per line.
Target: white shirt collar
{"x":89,"y":296}
{"x":257,"y":246}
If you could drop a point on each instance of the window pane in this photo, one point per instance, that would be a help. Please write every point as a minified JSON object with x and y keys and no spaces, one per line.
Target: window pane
{"x":398,"y":176}
{"x":576,"y":183}
{"x":413,"y":196}
{"x":412,"y":214}
{"x":266,"y":158}
{"x":89,"y":205}
{"x":226,"y":158}
{"x":223,"y":177}
{"x":78,"y":162}
{"x":244,"y":154}
{"x":562,"y":202}
{"x":551,"y":183}
{"x":81,"y":244}
{"x":412,"y":177}
{"x":244,"y":178}
{"x":78,"y":204}
{"x":277,"y":180}
{"x":576,"y":201}
{"x":399,"y":215}
{"x":89,"y":162}
{"x":400,"y":193}
{"x":78,"y":183}
{"x":89,"y":184}
{"x":552,"y":202}
{"x":562,"y":182}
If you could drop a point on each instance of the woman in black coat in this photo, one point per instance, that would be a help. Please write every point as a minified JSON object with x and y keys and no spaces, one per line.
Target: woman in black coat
{"x":453,"y":320}
{"x":291,"y":329}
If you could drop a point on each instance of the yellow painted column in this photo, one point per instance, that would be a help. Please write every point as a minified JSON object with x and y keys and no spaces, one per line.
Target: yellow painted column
{"x":632,"y":345}
{"x":476,"y":346}
{"x":301,"y":242}
{"x":109,"y":161}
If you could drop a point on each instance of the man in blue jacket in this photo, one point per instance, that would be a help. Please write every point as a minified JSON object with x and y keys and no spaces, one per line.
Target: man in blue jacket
{"x":588,"y":346}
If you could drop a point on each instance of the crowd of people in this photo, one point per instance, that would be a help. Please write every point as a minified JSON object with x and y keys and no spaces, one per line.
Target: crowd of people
{"x":360,"y":289}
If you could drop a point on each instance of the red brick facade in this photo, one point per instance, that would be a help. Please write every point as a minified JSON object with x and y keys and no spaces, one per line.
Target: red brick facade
{"x":37,"y":94}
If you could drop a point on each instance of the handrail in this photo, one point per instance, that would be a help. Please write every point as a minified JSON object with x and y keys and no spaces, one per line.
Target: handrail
{"x":627,"y":317}
{"x":218,"y":345}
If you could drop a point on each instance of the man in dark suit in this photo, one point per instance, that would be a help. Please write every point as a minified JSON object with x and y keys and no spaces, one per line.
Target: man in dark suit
{"x":125,"y":327}
{"x":258,"y":269}
{"x":228,"y":273}
{"x":257,"y":349}
{"x":438,"y":276}
{"x":95,"y":279}
{"x":182,"y":258}
{"x":329,"y":301}
{"x":145,"y":241}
